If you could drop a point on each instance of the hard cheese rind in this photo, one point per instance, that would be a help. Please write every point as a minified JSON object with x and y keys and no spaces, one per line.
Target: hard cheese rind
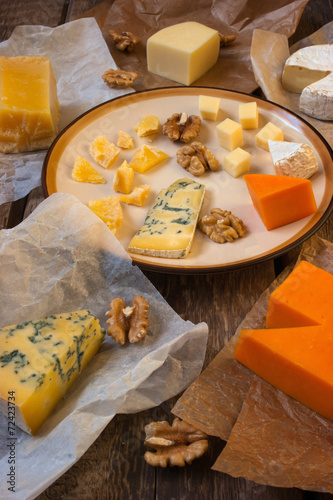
{"x":28,"y":104}
{"x":293,"y":159}
{"x":170,"y":224}
{"x":40,"y":360}
{"x":296,"y":354}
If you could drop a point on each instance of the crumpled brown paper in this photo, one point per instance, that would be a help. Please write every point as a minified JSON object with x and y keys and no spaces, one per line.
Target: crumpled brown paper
{"x":271,"y":438}
{"x":233,"y":69}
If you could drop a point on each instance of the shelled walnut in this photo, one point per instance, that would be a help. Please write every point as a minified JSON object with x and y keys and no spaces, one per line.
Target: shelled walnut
{"x":124,"y":41}
{"x":222,"y":226}
{"x":128,"y":323}
{"x":119,"y":78}
{"x":177,"y":444}
{"x":196,"y":158}
{"x":182,"y":127}
{"x":226,"y":39}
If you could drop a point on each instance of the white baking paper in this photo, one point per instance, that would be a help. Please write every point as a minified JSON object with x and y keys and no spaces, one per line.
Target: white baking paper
{"x":79,"y":56}
{"x":64,"y":258}
{"x":269,"y":52}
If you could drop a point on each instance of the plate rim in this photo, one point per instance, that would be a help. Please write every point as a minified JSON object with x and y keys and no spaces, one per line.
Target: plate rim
{"x":221,"y":268}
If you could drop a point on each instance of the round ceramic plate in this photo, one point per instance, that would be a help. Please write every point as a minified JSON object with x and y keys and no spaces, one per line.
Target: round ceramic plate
{"x":222,"y":190}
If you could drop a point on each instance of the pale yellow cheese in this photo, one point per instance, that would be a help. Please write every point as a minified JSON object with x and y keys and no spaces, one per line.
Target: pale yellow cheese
{"x":237,"y":162}
{"x":209,"y":107}
{"x":146,"y":158}
{"x":84,"y":172}
{"x":148,"y":125}
{"x":124,"y":140}
{"x":41,"y":359}
{"x":248,"y":115}
{"x":103,"y":151}
{"x":109,"y":211}
{"x":230,"y":134}
{"x":123,"y":178}
{"x":268,"y":132}
{"x":29,"y":108}
{"x":183,"y":52}
{"x":137,"y":197}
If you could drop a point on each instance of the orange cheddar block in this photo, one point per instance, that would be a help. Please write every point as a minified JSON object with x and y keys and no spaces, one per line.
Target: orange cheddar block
{"x":295,"y":354}
{"x":280,"y":200}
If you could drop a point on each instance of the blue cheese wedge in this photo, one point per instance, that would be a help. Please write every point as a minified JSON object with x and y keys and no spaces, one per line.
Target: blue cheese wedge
{"x":293,"y":159}
{"x":169,"y":227}
{"x":40,"y":360}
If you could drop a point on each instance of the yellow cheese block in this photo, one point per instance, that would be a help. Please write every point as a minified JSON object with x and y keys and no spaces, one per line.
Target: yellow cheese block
{"x":268,"y":132}
{"x":84,"y":172}
{"x":137,"y":197}
{"x":148,"y":125}
{"x":183,"y":52}
{"x":146,"y":158}
{"x":41,"y":359}
{"x":29,"y":108}
{"x":209,"y":107}
{"x":123,"y":178}
{"x":237,"y":162}
{"x":109,"y":211}
{"x":104,"y":152}
{"x":248,"y":115}
{"x":124,"y":140}
{"x":230,"y":134}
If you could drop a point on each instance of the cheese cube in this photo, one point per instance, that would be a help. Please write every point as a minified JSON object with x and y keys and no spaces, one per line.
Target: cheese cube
{"x":137,"y":197}
{"x":41,"y":359}
{"x":237,"y":162}
{"x":248,"y":115}
{"x":124,"y":141}
{"x":84,"y":172}
{"x":230,"y":134}
{"x":123,"y":178}
{"x":209,"y":107}
{"x":104,"y":152}
{"x":146,"y":158}
{"x":183,"y":52}
{"x":148,"y":125}
{"x":109,"y":211}
{"x":28,"y":104}
{"x":268,"y":132}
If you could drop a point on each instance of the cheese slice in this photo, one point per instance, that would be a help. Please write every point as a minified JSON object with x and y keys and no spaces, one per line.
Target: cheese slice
{"x":295,"y":354}
{"x":169,"y":227}
{"x":41,"y":359}
{"x":28,"y":104}
{"x":293,"y":159}
{"x":280,"y":200}
{"x":183,"y":52}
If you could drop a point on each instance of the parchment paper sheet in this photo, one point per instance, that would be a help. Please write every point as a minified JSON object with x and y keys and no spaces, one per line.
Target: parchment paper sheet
{"x":79,"y":56}
{"x":64,"y":258}
{"x":271,"y":438}
{"x":268,"y":68}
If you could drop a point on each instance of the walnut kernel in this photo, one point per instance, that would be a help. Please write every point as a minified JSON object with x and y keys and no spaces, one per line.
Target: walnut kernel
{"x":128,"y":323}
{"x":226,"y":39}
{"x":182,"y":127}
{"x":124,"y":41}
{"x":119,"y":78}
{"x":196,"y":158}
{"x":222,"y":226}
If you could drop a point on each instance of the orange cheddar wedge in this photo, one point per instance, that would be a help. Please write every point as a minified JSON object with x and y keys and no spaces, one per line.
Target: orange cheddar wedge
{"x":280,"y":200}
{"x":295,"y":354}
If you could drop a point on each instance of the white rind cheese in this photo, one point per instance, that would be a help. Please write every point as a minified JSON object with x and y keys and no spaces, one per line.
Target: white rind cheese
{"x":309,"y":72}
{"x":293,"y":159}
{"x":41,"y":359}
{"x":169,"y":227}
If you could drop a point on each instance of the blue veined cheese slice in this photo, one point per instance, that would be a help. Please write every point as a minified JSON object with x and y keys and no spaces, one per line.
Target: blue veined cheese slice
{"x":41,"y":359}
{"x":170,"y":224}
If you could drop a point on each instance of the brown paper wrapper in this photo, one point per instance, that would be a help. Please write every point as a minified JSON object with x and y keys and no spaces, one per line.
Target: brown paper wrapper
{"x":271,"y":438}
{"x":233,"y":69}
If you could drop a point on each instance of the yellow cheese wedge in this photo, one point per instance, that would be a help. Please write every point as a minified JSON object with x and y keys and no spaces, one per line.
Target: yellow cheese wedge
{"x":183,"y":52}
{"x":148,"y":125}
{"x":84,"y":172}
{"x":146,"y":158}
{"x":104,"y":152}
{"x":137,"y":197}
{"x":29,"y":108}
{"x":123,"y":178}
{"x":109,"y":211}
{"x":41,"y":359}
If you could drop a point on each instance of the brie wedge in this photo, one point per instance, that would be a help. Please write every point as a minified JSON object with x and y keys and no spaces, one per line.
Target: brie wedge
{"x":293,"y":159}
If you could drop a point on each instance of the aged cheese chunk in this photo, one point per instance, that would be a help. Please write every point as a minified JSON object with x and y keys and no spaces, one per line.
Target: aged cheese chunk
{"x":306,"y":66}
{"x":295,"y":354}
{"x":170,"y":224}
{"x":123,"y":178}
{"x":317,"y":99}
{"x":84,"y":172}
{"x":104,"y":152}
{"x":293,"y":159}
{"x":148,"y":125}
{"x":183,"y":52}
{"x":124,"y":140}
{"x":209,"y":107}
{"x":268,"y":132}
{"x":40,"y":360}
{"x":137,"y":197}
{"x":280,"y":200}
{"x":109,"y":210}
{"x":146,"y":158}
{"x":248,"y":115}
{"x":237,"y":162}
{"x":29,"y":108}
{"x":230,"y":134}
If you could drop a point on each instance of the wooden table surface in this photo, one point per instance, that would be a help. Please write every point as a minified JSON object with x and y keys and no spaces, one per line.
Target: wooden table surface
{"x":113,"y":467}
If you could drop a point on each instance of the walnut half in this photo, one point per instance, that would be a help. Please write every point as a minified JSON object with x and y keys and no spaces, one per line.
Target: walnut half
{"x":222,"y":226}
{"x":196,"y":158}
{"x":119,"y":78}
{"x":124,"y":41}
{"x":128,"y":322}
{"x":177,"y":444}
{"x":182,"y":127}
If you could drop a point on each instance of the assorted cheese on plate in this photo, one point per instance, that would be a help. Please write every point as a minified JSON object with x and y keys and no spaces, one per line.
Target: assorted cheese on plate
{"x":243,"y":133}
